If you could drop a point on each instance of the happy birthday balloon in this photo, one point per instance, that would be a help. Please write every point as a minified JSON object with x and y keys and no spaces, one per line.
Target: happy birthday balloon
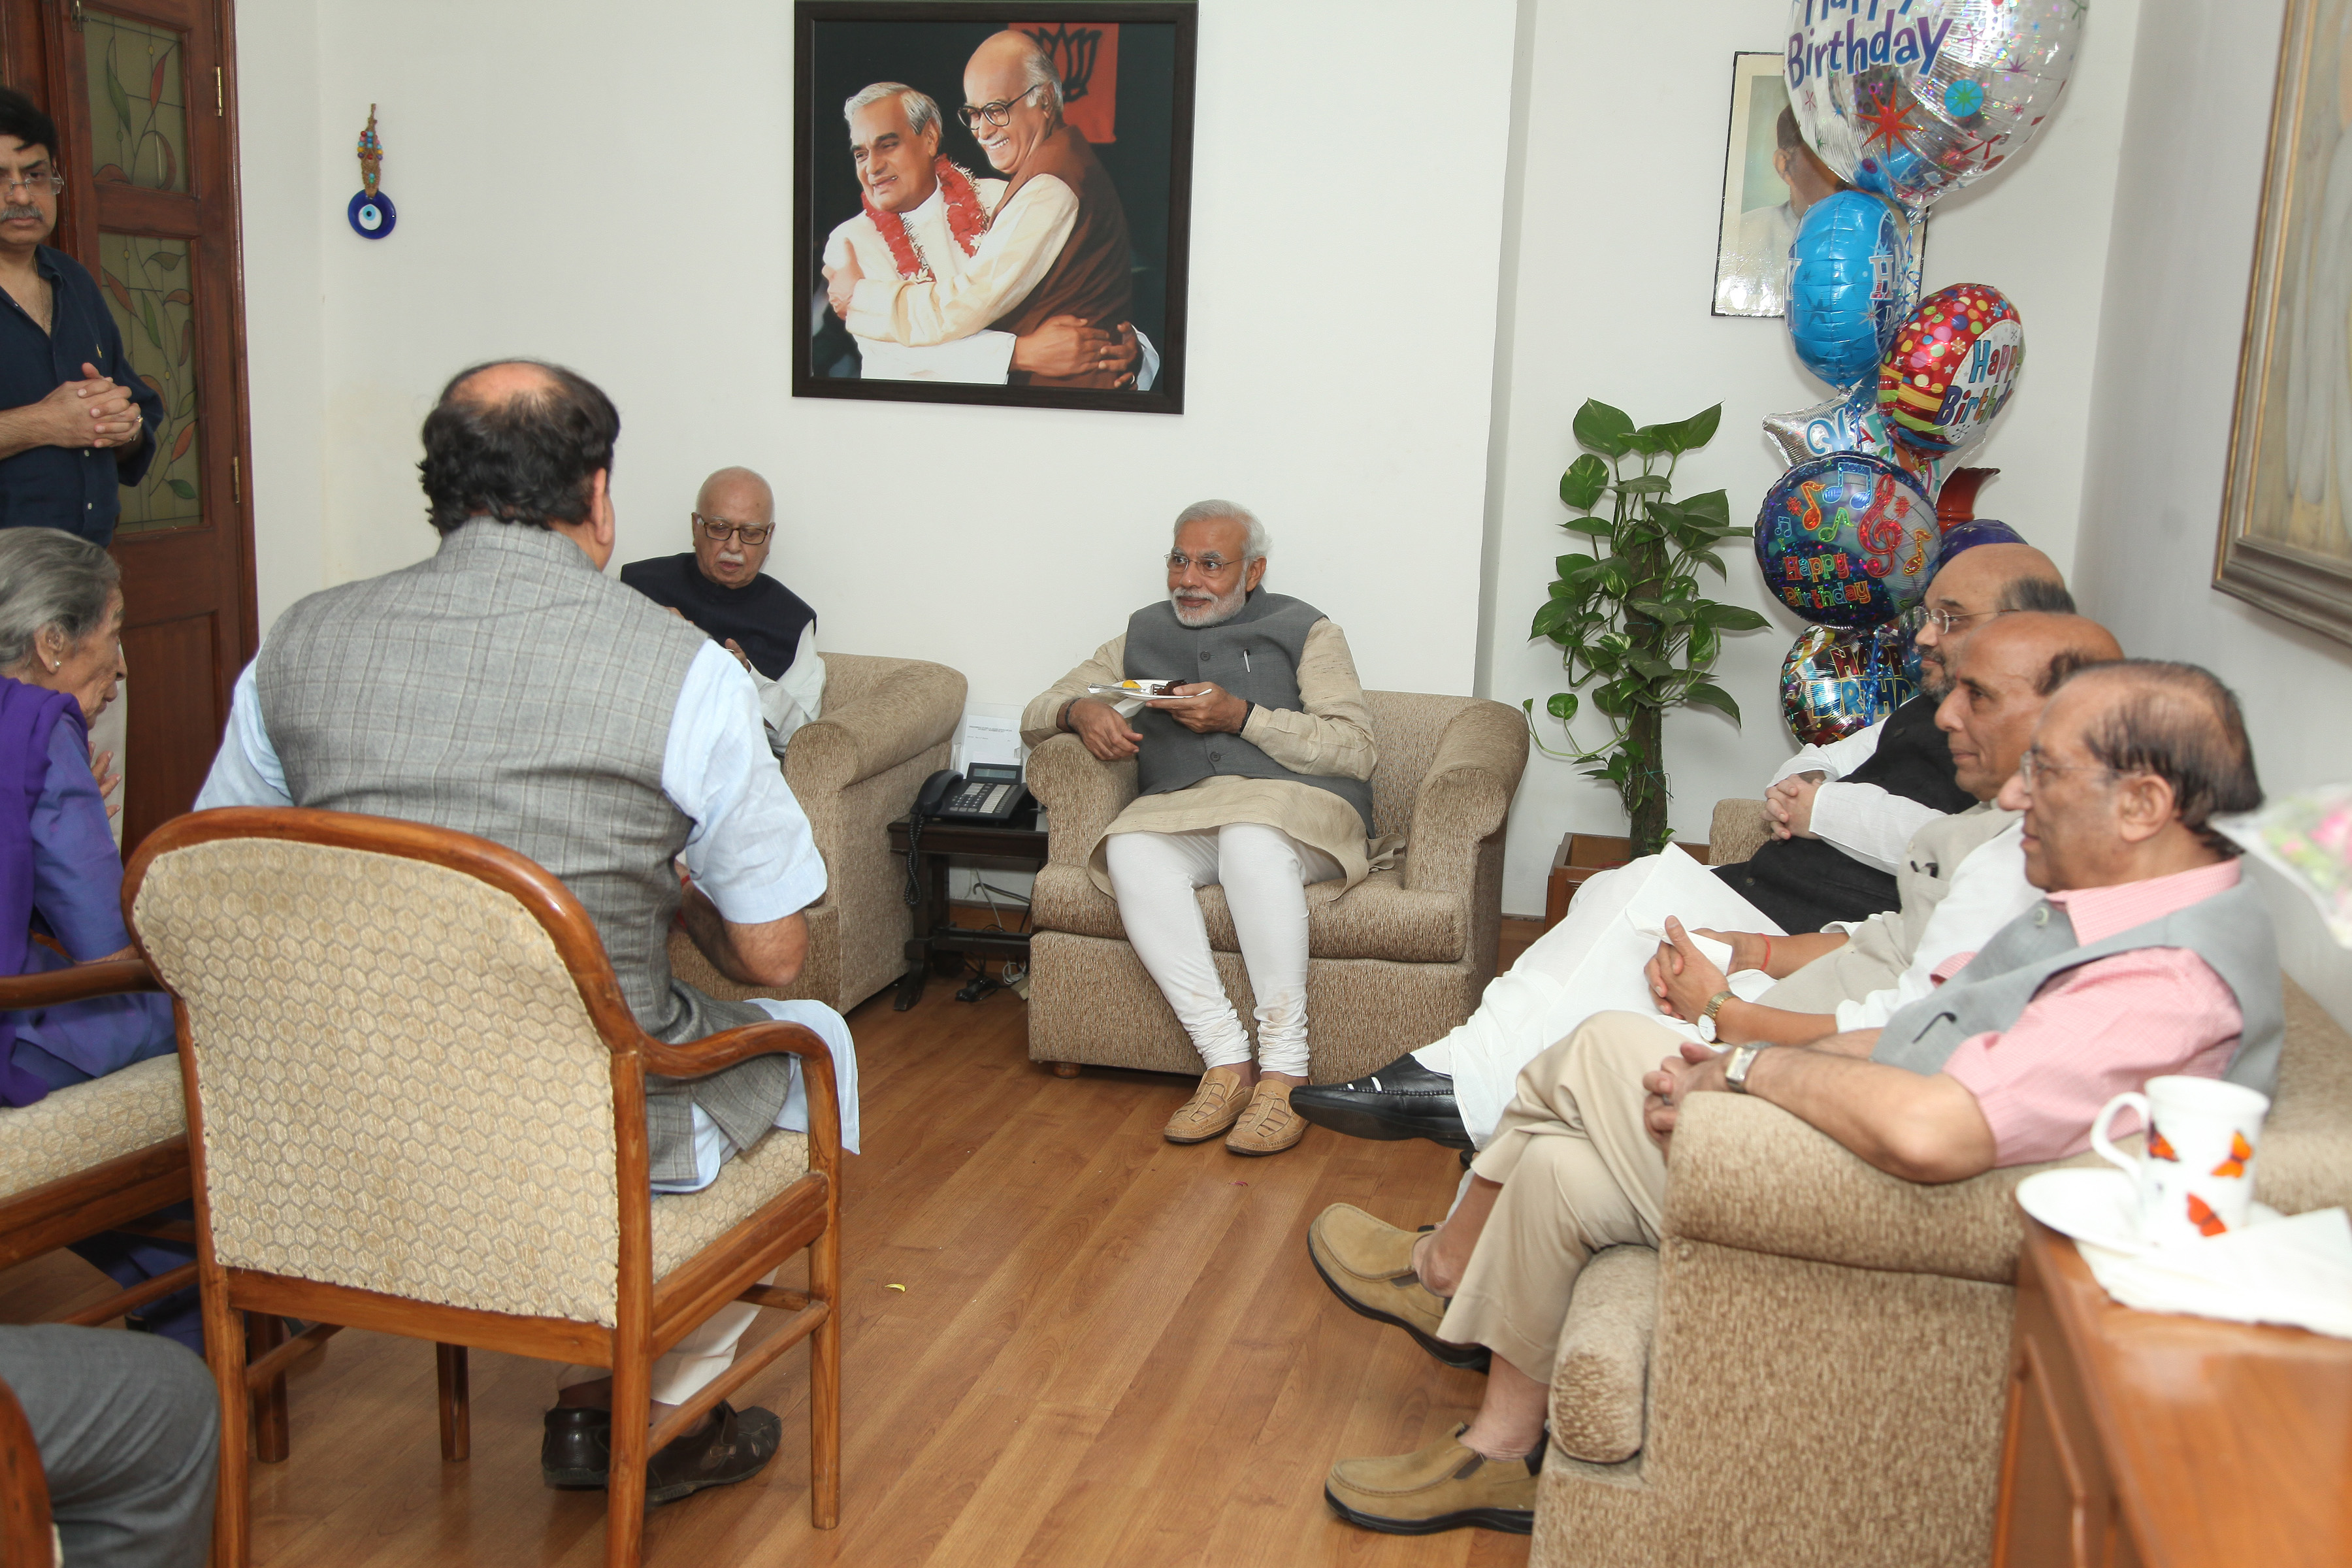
{"x":1850,"y":422}
{"x":1916,"y":98}
{"x":1838,"y":682}
{"x":1849,"y":284}
{"x":1951,"y":367}
{"x":1846,"y":540}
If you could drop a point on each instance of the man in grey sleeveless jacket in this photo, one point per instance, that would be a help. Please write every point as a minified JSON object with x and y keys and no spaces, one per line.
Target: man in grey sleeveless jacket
{"x":1253,"y":773}
{"x":2145,"y":956}
{"x":505,"y":686}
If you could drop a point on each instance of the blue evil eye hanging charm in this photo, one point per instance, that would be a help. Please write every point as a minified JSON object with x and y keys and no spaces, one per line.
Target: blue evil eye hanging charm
{"x":372,"y":214}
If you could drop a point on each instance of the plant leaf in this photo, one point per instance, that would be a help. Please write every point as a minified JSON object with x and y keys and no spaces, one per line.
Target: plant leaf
{"x":1603,"y":429}
{"x":1707,"y":694}
{"x":183,"y":489}
{"x":1561,"y":706}
{"x":1580,"y":487}
{"x":1645,"y":485}
{"x":1599,"y":525}
{"x":1651,"y":665}
{"x":116,"y":96}
{"x":1695,"y":431}
{"x":1714,"y":507}
{"x":1548,"y":619}
{"x":1729,"y":618}
{"x":1650,"y":440}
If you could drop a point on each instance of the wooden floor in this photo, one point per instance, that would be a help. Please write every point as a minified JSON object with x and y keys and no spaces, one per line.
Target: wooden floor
{"x":1108,"y":1350}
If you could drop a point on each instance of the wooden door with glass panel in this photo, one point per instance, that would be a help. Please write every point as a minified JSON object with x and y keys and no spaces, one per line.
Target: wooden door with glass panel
{"x":142,"y":94}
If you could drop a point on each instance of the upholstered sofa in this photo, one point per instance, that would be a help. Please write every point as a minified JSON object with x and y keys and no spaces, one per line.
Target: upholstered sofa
{"x":1392,"y":964}
{"x":1811,"y":1368}
{"x":889,"y":725}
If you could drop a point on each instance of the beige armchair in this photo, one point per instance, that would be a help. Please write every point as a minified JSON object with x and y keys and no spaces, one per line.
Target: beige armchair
{"x":1811,"y":1368}
{"x":889,"y":725}
{"x":1393,"y":964}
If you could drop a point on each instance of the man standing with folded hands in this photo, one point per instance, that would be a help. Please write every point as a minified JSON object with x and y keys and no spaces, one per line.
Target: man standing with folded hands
{"x":1253,"y":773}
{"x":2145,"y":956}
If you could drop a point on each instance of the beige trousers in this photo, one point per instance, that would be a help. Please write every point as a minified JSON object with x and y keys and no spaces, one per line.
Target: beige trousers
{"x":1578,"y":1173}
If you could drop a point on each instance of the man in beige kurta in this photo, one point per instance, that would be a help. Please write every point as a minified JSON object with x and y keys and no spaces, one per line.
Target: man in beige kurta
{"x":1253,"y":773}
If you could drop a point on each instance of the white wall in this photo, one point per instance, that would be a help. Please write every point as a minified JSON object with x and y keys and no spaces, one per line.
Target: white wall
{"x":577,"y":184}
{"x":2187,"y":199}
{"x":1623,"y":127}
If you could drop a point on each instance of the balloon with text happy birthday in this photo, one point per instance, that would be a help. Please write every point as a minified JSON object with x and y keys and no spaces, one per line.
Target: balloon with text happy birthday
{"x":1846,"y":540}
{"x":1950,"y":370}
{"x":1838,"y":681}
{"x":1850,"y":422}
{"x":1915,"y":98}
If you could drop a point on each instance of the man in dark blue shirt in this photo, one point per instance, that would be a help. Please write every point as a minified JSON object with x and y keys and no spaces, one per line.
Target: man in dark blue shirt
{"x":73,"y":418}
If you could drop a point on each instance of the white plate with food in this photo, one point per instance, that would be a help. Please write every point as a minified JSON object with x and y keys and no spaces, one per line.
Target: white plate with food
{"x":1141,"y":690}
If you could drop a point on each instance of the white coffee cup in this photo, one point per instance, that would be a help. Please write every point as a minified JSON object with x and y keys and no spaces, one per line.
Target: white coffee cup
{"x":2197,"y":1178}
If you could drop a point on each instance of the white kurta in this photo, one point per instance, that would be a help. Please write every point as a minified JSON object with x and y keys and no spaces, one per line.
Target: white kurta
{"x":1861,"y":821}
{"x":795,"y":697}
{"x":1024,"y":239}
{"x":977,"y":356}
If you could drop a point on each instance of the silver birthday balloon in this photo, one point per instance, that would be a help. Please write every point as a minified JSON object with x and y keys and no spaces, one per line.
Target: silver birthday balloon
{"x":1912,"y":99}
{"x":1850,"y":422}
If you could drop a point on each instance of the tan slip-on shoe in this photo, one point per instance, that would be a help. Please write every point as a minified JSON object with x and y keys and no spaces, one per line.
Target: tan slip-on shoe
{"x":1367,"y":1263}
{"x":1216,"y":1105}
{"x":1269,"y":1125}
{"x":1444,"y":1486}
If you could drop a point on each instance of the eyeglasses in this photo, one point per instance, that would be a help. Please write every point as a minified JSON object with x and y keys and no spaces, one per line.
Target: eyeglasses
{"x":997,"y":114}
{"x":1944,"y":620}
{"x":1212,"y":565}
{"x":31,"y":179}
{"x":2034,"y":764}
{"x":718,"y":531}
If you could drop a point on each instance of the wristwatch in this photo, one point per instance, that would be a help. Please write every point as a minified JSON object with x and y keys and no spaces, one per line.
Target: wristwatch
{"x":1705,"y":1022}
{"x":1743,"y":1057}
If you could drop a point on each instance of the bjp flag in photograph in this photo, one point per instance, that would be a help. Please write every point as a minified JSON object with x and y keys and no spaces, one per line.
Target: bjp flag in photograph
{"x":1087,"y":55}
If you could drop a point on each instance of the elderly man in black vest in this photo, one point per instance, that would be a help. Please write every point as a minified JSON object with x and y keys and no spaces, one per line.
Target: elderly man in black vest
{"x":2147,"y":956}
{"x":1253,"y":772}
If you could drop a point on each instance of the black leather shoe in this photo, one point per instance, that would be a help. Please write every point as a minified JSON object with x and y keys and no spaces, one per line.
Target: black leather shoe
{"x":733,"y":1445}
{"x":1403,"y":1099}
{"x":578,"y":1448}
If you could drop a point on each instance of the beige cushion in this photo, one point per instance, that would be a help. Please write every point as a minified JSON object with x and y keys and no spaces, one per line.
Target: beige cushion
{"x":686,"y":1224}
{"x":1381,"y":916}
{"x":91,"y":1123}
{"x":1601,"y":1378}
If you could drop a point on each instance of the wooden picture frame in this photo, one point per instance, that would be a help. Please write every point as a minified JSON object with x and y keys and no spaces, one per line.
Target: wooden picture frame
{"x":842,"y":45}
{"x":2285,"y":536}
{"x":1747,"y":281}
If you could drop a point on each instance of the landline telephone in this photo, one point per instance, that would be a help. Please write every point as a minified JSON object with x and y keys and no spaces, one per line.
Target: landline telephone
{"x":992,"y":794}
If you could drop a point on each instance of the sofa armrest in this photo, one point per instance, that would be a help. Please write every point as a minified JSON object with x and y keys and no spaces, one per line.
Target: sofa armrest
{"x":902,"y":714}
{"x":1738,"y":830}
{"x":1746,"y":1173}
{"x":1464,"y":796}
{"x":1081,"y":793}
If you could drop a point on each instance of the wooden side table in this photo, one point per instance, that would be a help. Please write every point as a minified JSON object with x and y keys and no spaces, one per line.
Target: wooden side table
{"x":2152,"y":1441}
{"x":1018,"y":846}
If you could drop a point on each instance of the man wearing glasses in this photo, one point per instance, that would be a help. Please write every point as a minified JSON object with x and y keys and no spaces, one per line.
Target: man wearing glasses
{"x":1252,"y":772}
{"x":1056,"y":243}
{"x":74,"y":419}
{"x":719,"y":588}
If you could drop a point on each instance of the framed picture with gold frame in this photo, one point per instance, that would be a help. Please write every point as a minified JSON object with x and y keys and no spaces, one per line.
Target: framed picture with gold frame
{"x":2286,"y":507}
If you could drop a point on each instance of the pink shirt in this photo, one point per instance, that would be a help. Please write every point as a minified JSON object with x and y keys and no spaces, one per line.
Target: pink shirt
{"x":2110,"y":1026}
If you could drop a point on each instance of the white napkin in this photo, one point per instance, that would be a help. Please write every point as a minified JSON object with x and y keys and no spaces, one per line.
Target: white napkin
{"x":2296,"y":1270}
{"x":1688,"y":891}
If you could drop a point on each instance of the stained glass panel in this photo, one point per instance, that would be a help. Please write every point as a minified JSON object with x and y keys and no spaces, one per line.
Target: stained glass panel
{"x":147,"y":287}
{"x":138,"y":102}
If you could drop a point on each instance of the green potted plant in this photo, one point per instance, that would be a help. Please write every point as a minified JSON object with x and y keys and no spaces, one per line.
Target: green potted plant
{"x":1628,"y":620}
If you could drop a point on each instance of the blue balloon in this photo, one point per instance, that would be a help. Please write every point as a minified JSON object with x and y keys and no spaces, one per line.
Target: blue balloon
{"x":1846,"y":540}
{"x":1849,"y":285}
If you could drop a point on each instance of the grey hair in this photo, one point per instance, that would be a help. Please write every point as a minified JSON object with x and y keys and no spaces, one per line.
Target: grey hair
{"x":1261,"y":543}
{"x":1038,"y":70}
{"x":922,"y":109}
{"x":51,"y":580}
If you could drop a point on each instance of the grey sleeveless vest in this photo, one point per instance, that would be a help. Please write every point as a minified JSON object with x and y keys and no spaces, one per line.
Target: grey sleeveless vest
{"x":2230,"y":932}
{"x":1255,"y":655}
{"x":506,"y":689}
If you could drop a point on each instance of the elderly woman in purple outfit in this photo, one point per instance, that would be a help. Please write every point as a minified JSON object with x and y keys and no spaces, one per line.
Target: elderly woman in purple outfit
{"x":61,"y":874}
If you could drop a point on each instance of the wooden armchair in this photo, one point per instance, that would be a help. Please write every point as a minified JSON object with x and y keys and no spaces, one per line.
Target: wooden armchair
{"x":416,"y":1105}
{"x":99,"y":1156}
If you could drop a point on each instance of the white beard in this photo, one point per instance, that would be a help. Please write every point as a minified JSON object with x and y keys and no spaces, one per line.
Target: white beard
{"x":1220,"y":610}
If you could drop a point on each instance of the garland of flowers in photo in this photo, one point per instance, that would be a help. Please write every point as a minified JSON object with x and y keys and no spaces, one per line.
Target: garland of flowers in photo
{"x":967,"y":220}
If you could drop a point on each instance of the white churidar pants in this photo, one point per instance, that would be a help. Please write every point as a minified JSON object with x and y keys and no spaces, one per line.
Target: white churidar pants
{"x":1591,"y":963}
{"x":1265,"y":872}
{"x":695,"y":1361}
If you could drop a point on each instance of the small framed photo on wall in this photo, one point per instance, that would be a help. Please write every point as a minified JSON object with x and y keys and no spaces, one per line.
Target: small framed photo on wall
{"x":992,"y":208}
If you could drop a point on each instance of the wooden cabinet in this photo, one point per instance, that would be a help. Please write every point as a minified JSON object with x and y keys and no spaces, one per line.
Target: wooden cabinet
{"x":2148,"y":1441}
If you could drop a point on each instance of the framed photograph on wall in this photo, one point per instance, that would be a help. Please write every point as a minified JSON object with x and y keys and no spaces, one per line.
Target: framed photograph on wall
{"x":1769,"y":178}
{"x":993,"y":206}
{"x":2286,"y":507}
